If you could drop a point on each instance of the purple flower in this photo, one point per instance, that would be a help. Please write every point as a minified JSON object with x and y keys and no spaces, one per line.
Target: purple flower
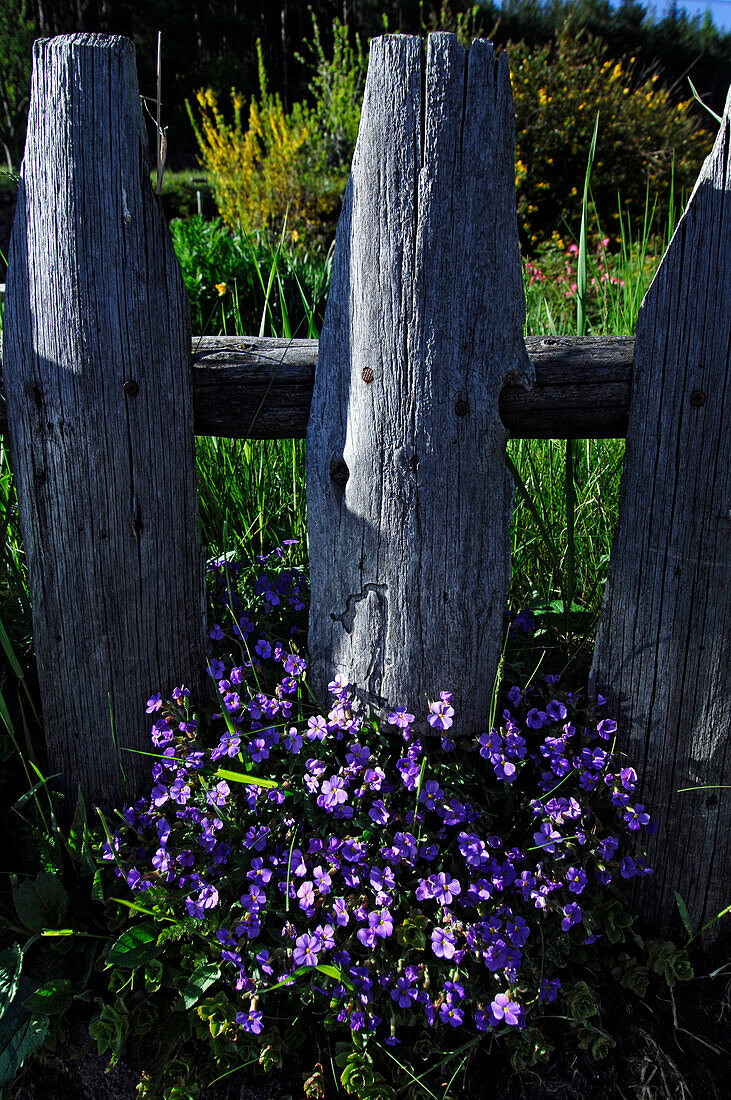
{"x":572,"y":915}
{"x":258,"y":872}
{"x":546,"y":837}
{"x":504,"y":1009}
{"x":556,"y":711}
{"x":306,"y":895}
{"x":635,"y":816}
{"x":576,"y":879}
{"x":378,"y":812}
{"x":322,"y":880}
{"x":326,"y":935}
{"x":251,"y":1021}
{"x":628,"y":867}
{"x":403,"y":992}
{"x":333,"y":793}
{"x":628,"y":778}
{"x":305,"y":952}
{"x":430,"y":792}
{"x":294,"y":665}
{"x":450,"y":1014}
{"x":159,"y":795}
{"x":153,"y":703}
{"x":514,"y":695}
{"x":400,"y":717}
{"x":443,"y":944}
{"x":549,"y":990}
{"x":215,"y":633}
{"x":207,"y":899}
{"x":536,"y":719}
{"x":606,"y":848}
{"x":444,"y":889}
{"x":441,"y":713}
{"x":339,"y":685}
{"x":358,"y":754}
{"x":381,"y":922}
{"x":340,"y":911}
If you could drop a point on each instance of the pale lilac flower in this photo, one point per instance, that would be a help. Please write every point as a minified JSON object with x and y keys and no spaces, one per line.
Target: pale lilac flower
{"x":443,"y":944}
{"x":305,"y":952}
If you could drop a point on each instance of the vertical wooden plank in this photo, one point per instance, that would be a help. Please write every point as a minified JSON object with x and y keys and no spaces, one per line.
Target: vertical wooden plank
{"x":99,"y":388}
{"x":407,"y":493}
{"x":662,"y":651}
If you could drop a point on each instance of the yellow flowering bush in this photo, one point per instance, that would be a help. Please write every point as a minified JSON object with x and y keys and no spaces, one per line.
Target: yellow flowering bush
{"x":255,"y":173}
{"x":292,"y":164}
{"x":643,"y":136}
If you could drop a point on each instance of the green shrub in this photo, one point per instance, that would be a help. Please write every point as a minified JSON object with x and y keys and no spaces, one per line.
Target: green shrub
{"x":558,"y":90}
{"x":286,"y":165}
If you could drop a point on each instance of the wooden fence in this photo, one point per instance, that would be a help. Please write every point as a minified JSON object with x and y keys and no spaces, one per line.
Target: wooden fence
{"x":407,"y":401}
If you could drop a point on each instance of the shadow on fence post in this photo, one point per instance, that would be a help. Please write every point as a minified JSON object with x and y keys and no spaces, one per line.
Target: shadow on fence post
{"x":664,"y":638}
{"x":98,"y":380}
{"x":408,"y":496}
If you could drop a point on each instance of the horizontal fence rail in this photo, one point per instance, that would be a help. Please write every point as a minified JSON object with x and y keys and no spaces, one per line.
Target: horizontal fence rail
{"x":244,"y":387}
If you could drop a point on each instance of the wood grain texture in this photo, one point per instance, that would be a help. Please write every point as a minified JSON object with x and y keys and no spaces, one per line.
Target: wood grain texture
{"x":245,"y":387}
{"x":662,"y":651}
{"x":408,"y":497}
{"x":97,"y":374}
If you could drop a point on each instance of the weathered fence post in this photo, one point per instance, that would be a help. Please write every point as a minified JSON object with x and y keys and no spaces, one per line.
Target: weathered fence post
{"x":662,"y":652}
{"x":408,"y":496}
{"x":98,"y":382}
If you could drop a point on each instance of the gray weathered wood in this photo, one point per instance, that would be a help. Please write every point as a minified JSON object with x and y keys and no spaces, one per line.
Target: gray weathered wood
{"x":261,"y":388}
{"x":662,"y":652}
{"x":98,"y":382}
{"x":408,"y":497}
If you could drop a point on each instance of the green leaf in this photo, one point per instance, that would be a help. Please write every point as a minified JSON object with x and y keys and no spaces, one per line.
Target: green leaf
{"x":50,"y":999}
{"x":287,"y":981}
{"x":334,"y":972}
{"x":244,"y":777}
{"x":20,"y":1036}
{"x":40,"y":902}
{"x":684,"y":914}
{"x":11,"y":963}
{"x":199,"y":981}
{"x":134,"y":947}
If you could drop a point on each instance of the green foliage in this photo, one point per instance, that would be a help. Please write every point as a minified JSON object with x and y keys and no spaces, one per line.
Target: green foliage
{"x":670,"y":963}
{"x":359,"y":1075}
{"x":40,"y":902}
{"x":558,"y":90}
{"x":581,"y":1002}
{"x":286,"y":166}
{"x":17,"y":32}
{"x":135,"y":947}
{"x":179,"y":195}
{"x":247,"y":285}
{"x":22,"y":1033}
{"x":109,"y":1029}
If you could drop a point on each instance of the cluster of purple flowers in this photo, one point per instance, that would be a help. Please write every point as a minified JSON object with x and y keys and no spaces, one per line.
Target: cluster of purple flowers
{"x":373,"y":854}
{"x":403,"y":876}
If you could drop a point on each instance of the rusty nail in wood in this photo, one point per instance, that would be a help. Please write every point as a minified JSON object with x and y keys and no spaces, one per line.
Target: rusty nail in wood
{"x":461,"y":408}
{"x":697,"y":398}
{"x":367,"y":374}
{"x":131,"y":388}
